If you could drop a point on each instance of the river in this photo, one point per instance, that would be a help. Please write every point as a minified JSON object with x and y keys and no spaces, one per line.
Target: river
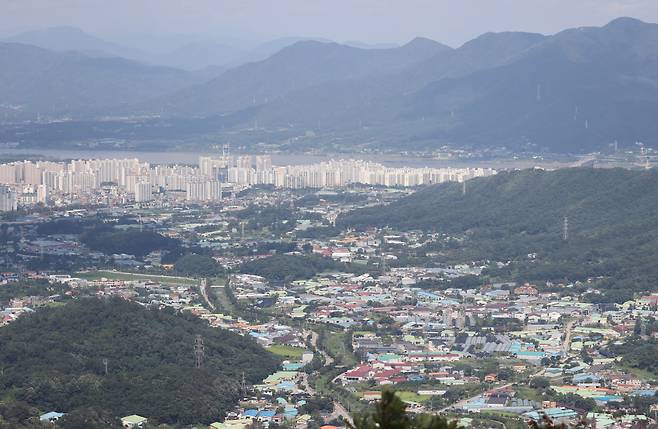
{"x":192,"y":157}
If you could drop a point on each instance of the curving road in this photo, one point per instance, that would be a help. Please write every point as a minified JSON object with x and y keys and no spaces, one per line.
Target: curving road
{"x":339,"y":410}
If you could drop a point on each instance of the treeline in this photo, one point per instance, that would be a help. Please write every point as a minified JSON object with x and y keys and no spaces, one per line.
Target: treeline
{"x":56,"y":359}
{"x":30,"y":288}
{"x":294,"y":267}
{"x":197,"y":266}
{"x":128,"y":241}
{"x":636,"y":353}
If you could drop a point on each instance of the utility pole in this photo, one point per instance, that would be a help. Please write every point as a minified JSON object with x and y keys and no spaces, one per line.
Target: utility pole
{"x":198,"y":350}
{"x":105,"y":365}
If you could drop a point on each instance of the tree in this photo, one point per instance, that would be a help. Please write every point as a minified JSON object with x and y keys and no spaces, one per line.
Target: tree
{"x":197,"y":266}
{"x":391,"y":413}
{"x":637,"y":329}
{"x":88,"y":418}
{"x":540,"y":383}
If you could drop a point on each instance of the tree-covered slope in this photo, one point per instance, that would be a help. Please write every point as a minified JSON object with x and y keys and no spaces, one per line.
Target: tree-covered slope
{"x":54,"y":360}
{"x":530,"y":201}
{"x":35,"y":81}
{"x":290,"y":267}
{"x":611,"y":222}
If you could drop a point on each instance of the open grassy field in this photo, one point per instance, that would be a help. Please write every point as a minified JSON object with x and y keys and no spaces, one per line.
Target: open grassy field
{"x":287,"y":352}
{"x":410,"y":396}
{"x":118,"y":275}
{"x":527,"y":392}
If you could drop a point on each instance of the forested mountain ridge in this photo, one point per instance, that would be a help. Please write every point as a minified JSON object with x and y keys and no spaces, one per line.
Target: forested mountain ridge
{"x":612,"y":227}
{"x":531,"y":200}
{"x":577,"y":91}
{"x":302,"y":65}
{"x":54,"y":360}
{"x":36,"y":81}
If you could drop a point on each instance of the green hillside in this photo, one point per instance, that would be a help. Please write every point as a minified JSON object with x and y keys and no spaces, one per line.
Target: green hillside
{"x":613,"y":229}
{"x":54,"y":360}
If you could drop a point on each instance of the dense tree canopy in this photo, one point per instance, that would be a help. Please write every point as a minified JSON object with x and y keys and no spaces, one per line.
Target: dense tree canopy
{"x":131,"y":242}
{"x":391,"y":413}
{"x":290,"y":267}
{"x":198,"y":266}
{"x":55,"y":360}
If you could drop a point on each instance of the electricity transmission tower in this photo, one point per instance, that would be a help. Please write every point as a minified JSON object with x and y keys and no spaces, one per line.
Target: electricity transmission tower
{"x":199,"y":350}
{"x":565,"y":229}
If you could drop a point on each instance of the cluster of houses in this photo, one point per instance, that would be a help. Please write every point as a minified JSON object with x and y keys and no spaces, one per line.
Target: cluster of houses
{"x":403,"y":333}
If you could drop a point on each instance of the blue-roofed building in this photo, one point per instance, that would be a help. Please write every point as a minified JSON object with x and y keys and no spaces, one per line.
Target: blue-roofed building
{"x":293,"y":366}
{"x":644,"y":392}
{"x":559,"y":415}
{"x":291,"y":412}
{"x":286,"y":385}
{"x":266,"y":415}
{"x":586,"y":378}
{"x":528,"y":355}
{"x":250,"y":413}
{"x":608,"y":398}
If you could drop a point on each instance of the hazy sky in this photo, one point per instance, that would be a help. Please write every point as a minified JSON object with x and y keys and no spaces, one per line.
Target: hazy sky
{"x":448,"y":21}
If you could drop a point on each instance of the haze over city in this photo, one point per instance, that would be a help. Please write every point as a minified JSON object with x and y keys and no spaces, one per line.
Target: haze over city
{"x":364,"y":214}
{"x":370,"y":21}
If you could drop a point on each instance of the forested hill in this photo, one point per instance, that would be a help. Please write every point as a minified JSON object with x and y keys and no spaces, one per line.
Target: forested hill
{"x":530,"y":201}
{"x":54,"y":360}
{"x":613,"y":229}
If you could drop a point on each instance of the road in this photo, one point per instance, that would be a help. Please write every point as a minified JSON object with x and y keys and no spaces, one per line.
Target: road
{"x":203,"y":288}
{"x":328,"y":360}
{"x":568,"y":330}
{"x":339,"y":410}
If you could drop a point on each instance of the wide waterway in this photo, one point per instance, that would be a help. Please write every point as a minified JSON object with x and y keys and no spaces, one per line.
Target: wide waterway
{"x":390,"y":160}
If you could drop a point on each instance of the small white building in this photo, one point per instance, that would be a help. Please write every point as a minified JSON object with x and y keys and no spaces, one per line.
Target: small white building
{"x":133,"y":421}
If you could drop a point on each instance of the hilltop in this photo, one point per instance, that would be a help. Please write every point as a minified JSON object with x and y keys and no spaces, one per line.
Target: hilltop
{"x":54,"y":360}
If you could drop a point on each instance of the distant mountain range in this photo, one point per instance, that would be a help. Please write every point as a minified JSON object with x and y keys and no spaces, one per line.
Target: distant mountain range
{"x":304,"y":65}
{"x":36,"y":81}
{"x":577,"y":91}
